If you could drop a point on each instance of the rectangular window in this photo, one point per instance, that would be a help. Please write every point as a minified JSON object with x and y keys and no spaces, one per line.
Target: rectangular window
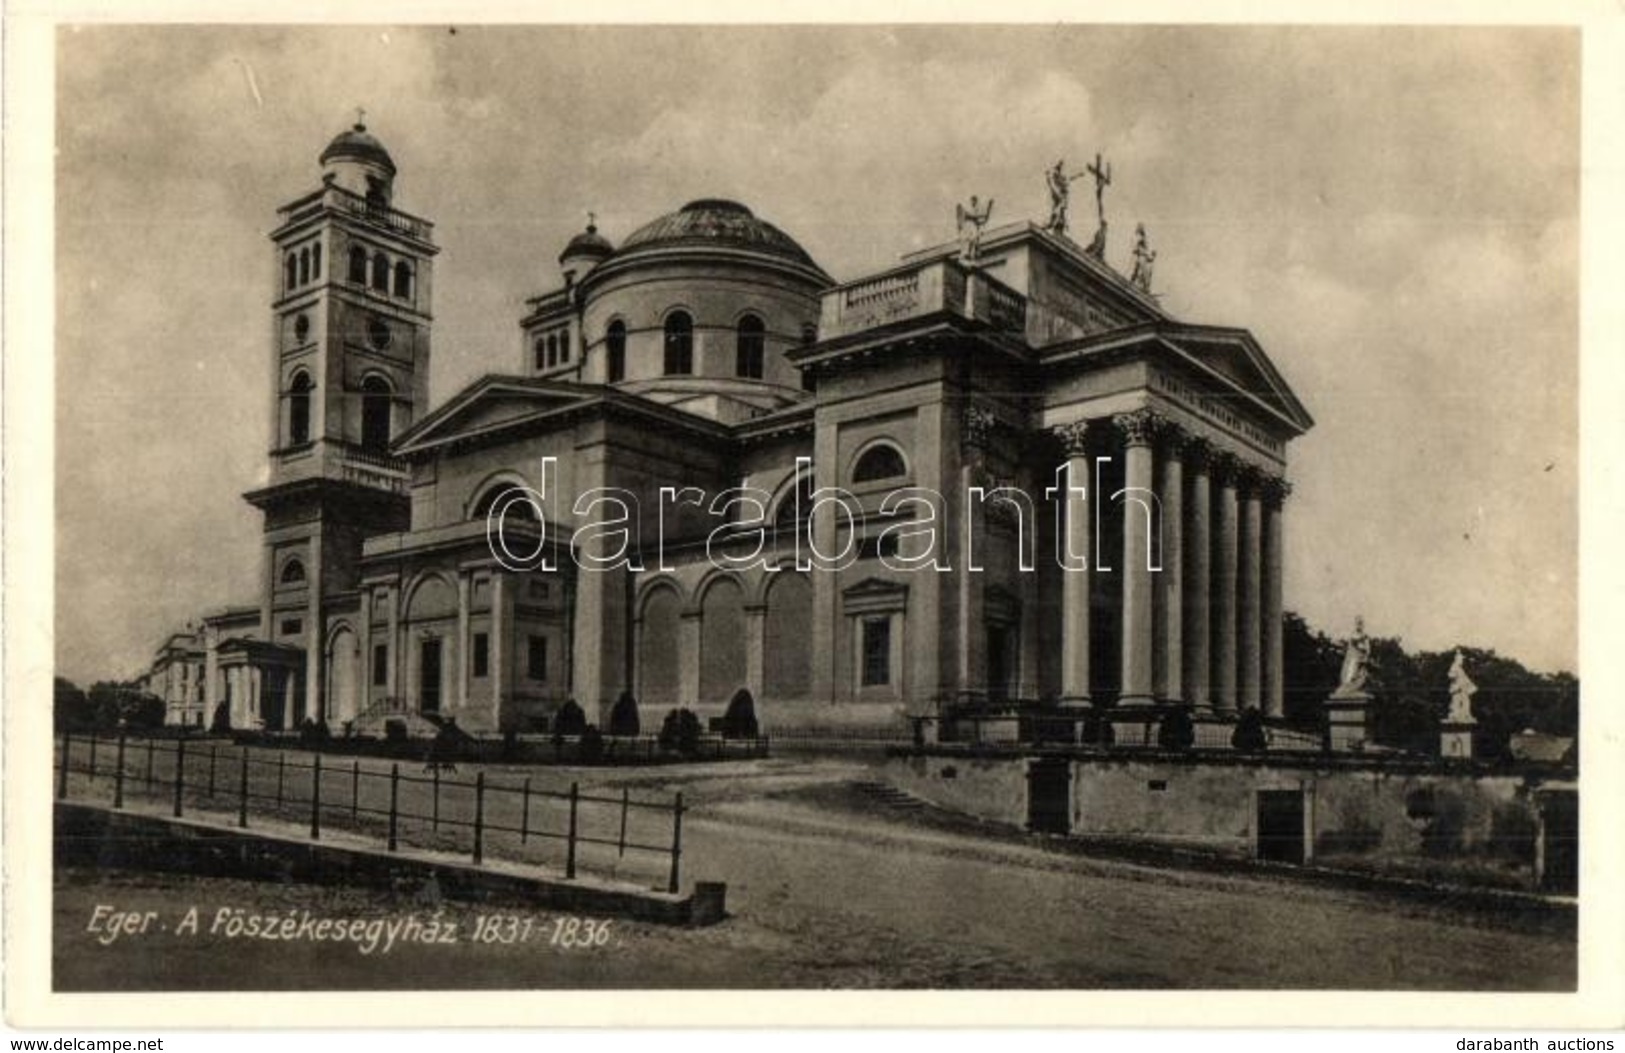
{"x":564,"y":347}
{"x":292,"y":626}
{"x":380,"y":664}
{"x":536,"y":658}
{"x":876,"y":651}
{"x":482,"y":655}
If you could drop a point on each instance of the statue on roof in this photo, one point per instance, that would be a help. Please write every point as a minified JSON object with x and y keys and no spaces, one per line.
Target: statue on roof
{"x":1060,"y":195}
{"x":1144,"y":259}
{"x":971,"y":220}
{"x":1102,"y":171}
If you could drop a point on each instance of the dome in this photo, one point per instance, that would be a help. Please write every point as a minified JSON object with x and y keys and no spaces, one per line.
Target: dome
{"x":358,"y":144}
{"x":718,"y":222}
{"x":588,"y":243}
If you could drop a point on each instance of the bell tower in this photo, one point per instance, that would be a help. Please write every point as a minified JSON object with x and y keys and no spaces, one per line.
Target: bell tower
{"x":350,"y":323}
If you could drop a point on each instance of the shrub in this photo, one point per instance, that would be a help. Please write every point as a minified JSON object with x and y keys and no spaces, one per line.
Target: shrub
{"x":395,"y":731}
{"x":680,"y":732}
{"x":591,"y":750}
{"x":1249,"y":736}
{"x":1176,"y":731}
{"x":221,"y":724}
{"x":739,"y":722}
{"x":571,"y":719}
{"x":623,"y":718}
{"x":313,"y":732}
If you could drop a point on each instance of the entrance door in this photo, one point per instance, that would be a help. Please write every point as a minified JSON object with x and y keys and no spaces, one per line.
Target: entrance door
{"x":1049,"y":795}
{"x":1560,"y":842}
{"x":429,"y":676}
{"x":1280,"y":825}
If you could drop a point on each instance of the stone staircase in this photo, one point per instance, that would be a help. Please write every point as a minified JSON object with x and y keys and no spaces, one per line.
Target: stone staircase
{"x":370,"y":722}
{"x":889,"y":796}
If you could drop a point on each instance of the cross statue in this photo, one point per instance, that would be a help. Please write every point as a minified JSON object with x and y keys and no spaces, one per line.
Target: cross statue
{"x":360,"y":118}
{"x":1102,"y":171}
{"x":592,"y":220}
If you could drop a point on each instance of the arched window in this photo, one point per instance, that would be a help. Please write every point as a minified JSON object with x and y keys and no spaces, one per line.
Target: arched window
{"x":316,"y":260}
{"x":541,"y":353}
{"x":679,"y":344}
{"x":509,"y":499}
{"x":615,"y":352}
{"x":380,"y":272}
{"x":403,"y":279}
{"x":879,"y":462}
{"x":552,"y":350}
{"x":809,"y":334}
{"x":293,"y":572}
{"x":299,"y":409}
{"x":304,"y":266}
{"x":750,"y":347}
{"x":358,"y":265}
{"x":375,"y":414}
{"x":293,"y":270}
{"x":796,"y":504}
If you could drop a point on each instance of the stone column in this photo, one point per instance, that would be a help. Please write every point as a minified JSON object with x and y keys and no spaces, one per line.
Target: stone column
{"x":464,"y":658}
{"x":315,"y":633}
{"x":1075,"y":530}
{"x":1275,"y":494}
{"x":501,"y":659}
{"x":392,"y":681}
{"x":365,"y":687}
{"x":976,"y":431}
{"x":1139,"y":430}
{"x":1224,"y":585}
{"x":1249,"y":584}
{"x":1199,"y":578}
{"x":755,"y":649}
{"x":1170,"y":592}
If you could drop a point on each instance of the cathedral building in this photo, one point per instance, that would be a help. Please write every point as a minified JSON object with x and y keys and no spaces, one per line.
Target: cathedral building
{"x":1040,"y":408}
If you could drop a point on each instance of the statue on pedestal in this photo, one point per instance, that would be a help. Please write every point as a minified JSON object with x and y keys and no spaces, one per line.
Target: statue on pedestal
{"x":1356,"y":660}
{"x":1144,"y":258}
{"x":1060,"y":195}
{"x":1462,"y":690}
{"x":971,"y":221}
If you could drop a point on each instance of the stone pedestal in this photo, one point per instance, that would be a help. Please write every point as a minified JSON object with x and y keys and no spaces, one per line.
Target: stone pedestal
{"x":1456,"y":741}
{"x":1347,"y":716}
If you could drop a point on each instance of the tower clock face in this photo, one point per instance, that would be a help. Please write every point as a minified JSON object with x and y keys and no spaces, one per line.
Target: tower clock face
{"x":378,"y":334}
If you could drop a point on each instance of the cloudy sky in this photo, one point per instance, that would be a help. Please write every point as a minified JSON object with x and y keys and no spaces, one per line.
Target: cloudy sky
{"x":1391,"y":211}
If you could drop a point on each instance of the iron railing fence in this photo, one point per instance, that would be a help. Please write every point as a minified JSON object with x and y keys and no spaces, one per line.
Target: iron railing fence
{"x":425,"y":809}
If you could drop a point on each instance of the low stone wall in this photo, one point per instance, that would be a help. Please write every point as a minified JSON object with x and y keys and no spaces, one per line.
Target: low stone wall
{"x":1471,"y":826}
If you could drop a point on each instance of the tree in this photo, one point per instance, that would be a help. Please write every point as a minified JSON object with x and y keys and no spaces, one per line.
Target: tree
{"x":1310,"y":662}
{"x":70,"y":708}
{"x":623,"y":717}
{"x":739,"y":722}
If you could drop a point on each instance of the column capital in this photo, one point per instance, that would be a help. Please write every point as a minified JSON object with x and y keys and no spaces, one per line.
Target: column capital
{"x":1177,"y":441}
{"x":978,"y":424}
{"x":1073,"y":437}
{"x":1251,"y":479}
{"x":1140,"y":427}
{"x":1225,"y":467}
{"x":1197,"y":453}
{"x":1276,"y":490}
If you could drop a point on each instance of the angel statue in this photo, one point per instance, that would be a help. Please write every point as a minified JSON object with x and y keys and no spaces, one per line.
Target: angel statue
{"x":971,"y":221}
{"x":1462,"y":690}
{"x":1356,"y":660}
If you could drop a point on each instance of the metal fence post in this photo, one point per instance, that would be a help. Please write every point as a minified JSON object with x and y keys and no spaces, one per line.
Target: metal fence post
{"x":150,"y":751}
{"x":242,"y":792}
{"x":212,"y":749}
{"x":281,"y":765}
{"x":479,"y":817}
{"x":316,"y":799}
{"x":524,"y":813}
{"x":570,"y":857}
{"x":434,"y":814}
{"x":62,"y":776}
{"x":394,"y":799}
{"x":676,"y":841}
{"x":93,"y":756}
{"x":118,"y":776}
{"x":180,"y":773}
{"x":355,"y":789}
{"x":626,"y":802}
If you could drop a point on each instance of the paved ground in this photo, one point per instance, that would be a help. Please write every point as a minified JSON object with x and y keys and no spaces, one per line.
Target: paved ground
{"x":829,"y":889}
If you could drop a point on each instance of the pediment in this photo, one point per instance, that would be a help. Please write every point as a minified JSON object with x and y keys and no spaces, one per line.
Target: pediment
{"x":1233,"y":358}
{"x":491,"y":404}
